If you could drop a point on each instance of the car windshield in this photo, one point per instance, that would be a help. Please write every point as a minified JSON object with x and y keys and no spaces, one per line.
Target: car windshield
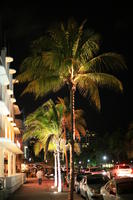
{"x":96,"y":180}
{"x":79,"y":177}
{"x":95,"y":169}
{"x":125,"y":188}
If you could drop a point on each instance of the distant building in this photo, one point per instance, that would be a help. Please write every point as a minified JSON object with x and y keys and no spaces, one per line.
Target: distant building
{"x":10,"y":127}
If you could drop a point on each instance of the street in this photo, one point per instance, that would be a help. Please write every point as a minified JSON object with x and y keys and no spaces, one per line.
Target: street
{"x":32,"y":191}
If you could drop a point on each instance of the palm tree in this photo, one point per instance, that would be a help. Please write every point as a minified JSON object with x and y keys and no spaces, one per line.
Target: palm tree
{"x":69,"y":54}
{"x":80,"y":126}
{"x":45,"y":125}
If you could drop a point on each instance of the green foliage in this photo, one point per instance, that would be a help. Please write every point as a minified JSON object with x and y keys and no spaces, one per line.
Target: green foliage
{"x":44,"y":124}
{"x":69,"y":53}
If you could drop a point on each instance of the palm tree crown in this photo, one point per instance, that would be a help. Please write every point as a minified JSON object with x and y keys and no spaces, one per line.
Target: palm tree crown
{"x":69,"y":54}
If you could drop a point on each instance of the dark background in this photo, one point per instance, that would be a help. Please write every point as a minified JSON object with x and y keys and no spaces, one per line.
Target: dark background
{"x":22,"y":22}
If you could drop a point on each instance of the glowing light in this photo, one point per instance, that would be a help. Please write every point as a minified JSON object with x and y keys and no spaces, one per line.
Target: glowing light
{"x":16,"y":129}
{"x":9,"y":59}
{"x":13,"y":100}
{"x":24,"y":167}
{"x":104,"y":157}
{"x":13,"y":124}
{"x":18,"y":143}
{"x":15,"y":81}
{"x":104,"y":173}
{"x":12,"y":71}
{"x":16,"y":109}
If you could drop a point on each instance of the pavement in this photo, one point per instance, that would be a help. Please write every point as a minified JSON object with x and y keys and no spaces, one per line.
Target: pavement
{"x":32,"y":191}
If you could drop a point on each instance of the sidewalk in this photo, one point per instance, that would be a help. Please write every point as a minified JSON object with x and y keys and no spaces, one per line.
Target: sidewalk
{"x":32,"y":191}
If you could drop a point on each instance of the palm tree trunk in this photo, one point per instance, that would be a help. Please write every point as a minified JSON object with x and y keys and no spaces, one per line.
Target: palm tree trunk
{"x":66,"y":159}
{"x":55,"y":179}
{"x":71,"y":185}
{"x":59,"y":169}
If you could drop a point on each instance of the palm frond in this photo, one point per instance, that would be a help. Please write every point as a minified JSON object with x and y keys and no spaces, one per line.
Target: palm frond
{"x":88,"y":88}
{"x":51,"y":60}
{"x":106,"y":80}
{"x":88,"y":51}
{"x":50,"y":137}
{"x":76,"y":42}
{"x":104,"y":62}
{"x":77,"y":148}
{"x":77,"y":135}
{"x":81,"y":129}
{"x":37,"y":148}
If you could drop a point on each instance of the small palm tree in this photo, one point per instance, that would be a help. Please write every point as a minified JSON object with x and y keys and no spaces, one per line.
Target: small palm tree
{"x":69,"y":54}
{"x":44,"y":124}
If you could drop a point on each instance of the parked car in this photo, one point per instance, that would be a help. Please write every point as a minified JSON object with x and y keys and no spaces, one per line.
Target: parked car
{"x":49,"y":174}
{"x":121,"y":170}
{"x":77,"y":180}
{"x":118,"y":189}
{"x":67,"y":178}
{"x":96,"y":170}
{"x":90,"y":186}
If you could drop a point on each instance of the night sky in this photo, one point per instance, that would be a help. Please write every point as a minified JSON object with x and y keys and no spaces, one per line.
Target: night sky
{"x":21,"y":23}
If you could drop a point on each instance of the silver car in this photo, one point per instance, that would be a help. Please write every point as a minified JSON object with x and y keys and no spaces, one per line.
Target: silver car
{"x":91,"y":184}
{"x":77,"y":179}
{"x":118,"y":189}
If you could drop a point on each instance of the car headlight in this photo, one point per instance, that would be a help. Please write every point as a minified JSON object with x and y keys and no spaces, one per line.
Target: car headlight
{"x":104,"y":173}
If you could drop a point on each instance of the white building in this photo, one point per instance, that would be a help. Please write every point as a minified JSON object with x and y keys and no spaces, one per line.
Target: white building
{"x":9,"y":145}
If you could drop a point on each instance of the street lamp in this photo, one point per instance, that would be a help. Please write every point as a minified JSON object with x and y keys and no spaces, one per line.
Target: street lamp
{"x":104,"y":157}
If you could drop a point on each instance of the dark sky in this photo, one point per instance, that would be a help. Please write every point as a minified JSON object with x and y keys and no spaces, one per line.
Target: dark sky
{"x":22,"y":22}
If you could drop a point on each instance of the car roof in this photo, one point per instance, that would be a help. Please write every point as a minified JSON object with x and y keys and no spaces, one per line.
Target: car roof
{"x":95,"y":175}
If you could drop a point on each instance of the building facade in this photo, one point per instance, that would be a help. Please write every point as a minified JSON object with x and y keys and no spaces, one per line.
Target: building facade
{"x":10,"y":142}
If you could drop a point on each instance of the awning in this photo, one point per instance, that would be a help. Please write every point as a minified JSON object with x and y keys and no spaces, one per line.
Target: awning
{"x":3,"y":108}
{"x":3,"y":76}
{"x":10,"y":146}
